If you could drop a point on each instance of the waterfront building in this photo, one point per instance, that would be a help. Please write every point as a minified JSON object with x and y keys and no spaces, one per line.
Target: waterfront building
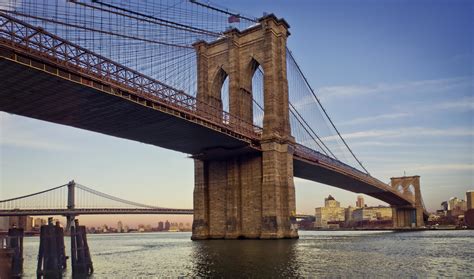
{"x":167,"y":225}
{"x":470,"y":199}
{"x":444,"y":206}
{"x":372,"y":213}
{"x":4,"y":223}
{"x":329,"y":216}
{"x":24,"y":222}
{"x":38,"y":222}
{"x":457,"y":204}
{"x":160,"y":226}
{"x":348,"y":215}
{"x":119,"y":227}
{"x":360,"y":201}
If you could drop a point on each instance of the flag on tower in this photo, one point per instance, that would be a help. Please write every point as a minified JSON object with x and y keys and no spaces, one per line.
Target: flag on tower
{"x":234,"y":18}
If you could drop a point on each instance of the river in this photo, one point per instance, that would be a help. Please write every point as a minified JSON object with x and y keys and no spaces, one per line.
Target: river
{"x":316,"y":254}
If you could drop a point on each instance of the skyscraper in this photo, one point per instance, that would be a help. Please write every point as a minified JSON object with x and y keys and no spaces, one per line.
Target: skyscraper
{"x":167,"y":225}
{"x":119,"y":227}
{"x":160,"y":226}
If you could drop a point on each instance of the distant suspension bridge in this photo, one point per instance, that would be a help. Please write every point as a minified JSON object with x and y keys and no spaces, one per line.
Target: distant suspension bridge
{"x":74,"y":199}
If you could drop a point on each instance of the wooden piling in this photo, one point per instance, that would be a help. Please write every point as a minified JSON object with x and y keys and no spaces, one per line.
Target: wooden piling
{"x":80,"y":256}
{"x":51,"y":255}
{"x":15,"y":243}
{"x":6,"y":258}
{"x":62,"y":258}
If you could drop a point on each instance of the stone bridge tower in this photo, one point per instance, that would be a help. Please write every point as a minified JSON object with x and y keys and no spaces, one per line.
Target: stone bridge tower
{"x":408,"y":216}
{"x":247,"y":195}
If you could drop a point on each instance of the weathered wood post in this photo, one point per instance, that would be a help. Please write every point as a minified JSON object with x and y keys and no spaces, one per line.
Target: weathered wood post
{"x":15,"y":242}
{"x":61,"y":248}
{"x":6,"y":256}
{"x":81,"y":261}
{"x":50,"y":261}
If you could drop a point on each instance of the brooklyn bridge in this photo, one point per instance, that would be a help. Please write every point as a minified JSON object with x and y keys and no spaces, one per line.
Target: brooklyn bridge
{"x":179,"y":77}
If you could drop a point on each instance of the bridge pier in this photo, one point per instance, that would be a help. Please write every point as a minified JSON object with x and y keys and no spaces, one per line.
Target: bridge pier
{"x":251,"y":196}
{"x":408,"y":216}
{"x":247,"y":195}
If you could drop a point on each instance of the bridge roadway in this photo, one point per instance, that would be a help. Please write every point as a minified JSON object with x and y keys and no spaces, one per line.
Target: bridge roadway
{"x":47,"y":78}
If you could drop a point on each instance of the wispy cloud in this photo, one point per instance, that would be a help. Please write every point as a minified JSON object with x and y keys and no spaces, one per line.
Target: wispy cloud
{"x":375,"y":118}
{"x":443,"y":167}
{"x":435,"y":85}
{"x":461,"y":104}
{"x":405,"y":132}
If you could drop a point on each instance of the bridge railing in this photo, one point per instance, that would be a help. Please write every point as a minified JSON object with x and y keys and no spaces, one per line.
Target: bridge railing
{"x":310,"y":154}
{"x":41,"y":44}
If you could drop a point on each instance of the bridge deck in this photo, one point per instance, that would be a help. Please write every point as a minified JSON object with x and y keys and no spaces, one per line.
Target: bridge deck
{"x":38,"y":94}
{"x":94,"y":211}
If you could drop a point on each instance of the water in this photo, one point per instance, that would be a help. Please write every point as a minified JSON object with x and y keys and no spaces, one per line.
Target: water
{"x":315,"y":254}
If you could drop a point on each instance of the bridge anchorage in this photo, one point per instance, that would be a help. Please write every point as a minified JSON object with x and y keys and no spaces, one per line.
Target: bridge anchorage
{"x":244,"y":169}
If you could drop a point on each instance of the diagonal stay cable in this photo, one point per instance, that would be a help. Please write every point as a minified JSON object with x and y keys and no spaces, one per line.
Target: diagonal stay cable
{"x":314,"y":133}
{"x":156,"y":20}
{"x":332,"y":123}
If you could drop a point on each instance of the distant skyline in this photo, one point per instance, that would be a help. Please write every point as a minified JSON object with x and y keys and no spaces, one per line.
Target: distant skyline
{"x":395,"y":76}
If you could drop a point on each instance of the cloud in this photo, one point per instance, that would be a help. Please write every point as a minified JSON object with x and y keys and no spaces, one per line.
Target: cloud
{"x":443,"y":167}
{"x":462,"y":104}
{"x":434,"y":85}
{"x":405,"y":132}
{"x":375,"y":118}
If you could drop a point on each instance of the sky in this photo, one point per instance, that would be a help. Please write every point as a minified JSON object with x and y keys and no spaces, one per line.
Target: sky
{"x":395,"y":76}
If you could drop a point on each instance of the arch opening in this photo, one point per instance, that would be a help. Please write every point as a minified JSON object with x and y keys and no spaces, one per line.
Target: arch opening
{"x":221,"y":93}
{"x":257,"y":89}
{"x":400,"y":189}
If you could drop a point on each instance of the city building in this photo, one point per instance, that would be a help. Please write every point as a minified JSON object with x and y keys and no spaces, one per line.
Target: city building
{"x":329,"y":216}
{"x":457,"y":204}
{"x":348,"y":215}
{"x":25,"y":222}
{"x":456,"y":207}
{"x":167,"y":225}
{"x":372,"y":216}
{"x":119,"y":227}
{"x":372,"y":213}
{"x":470,"y":199}
{"x":160,"y":226}
{"x":360,"y":201}
{"x":444,"y":206}
{"x":105,"y":228}
{"x":4,"y":223}
{"x":38,"y":222}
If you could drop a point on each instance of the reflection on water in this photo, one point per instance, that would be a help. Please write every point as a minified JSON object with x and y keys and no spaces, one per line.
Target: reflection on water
{"x":315,"y":254}
{"x":245,"y":258}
